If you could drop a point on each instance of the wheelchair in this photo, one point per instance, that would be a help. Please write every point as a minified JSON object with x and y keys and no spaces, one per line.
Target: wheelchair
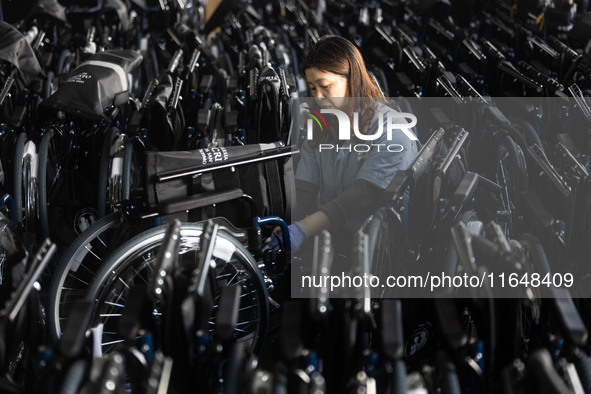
{"x":243,"y":189}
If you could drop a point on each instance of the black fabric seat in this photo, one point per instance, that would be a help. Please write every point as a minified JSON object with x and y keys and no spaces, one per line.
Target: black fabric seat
{"x":95,"y":85}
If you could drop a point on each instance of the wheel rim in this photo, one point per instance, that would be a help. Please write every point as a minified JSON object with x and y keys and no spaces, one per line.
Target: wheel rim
{"x":81,"y":266}
{"x":138,"y":268}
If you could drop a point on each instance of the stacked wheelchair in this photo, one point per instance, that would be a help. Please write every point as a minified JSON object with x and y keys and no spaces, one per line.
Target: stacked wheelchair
{"x":148,"y":153}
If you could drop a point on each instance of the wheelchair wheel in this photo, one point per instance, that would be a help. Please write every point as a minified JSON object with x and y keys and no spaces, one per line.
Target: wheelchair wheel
{"x":48,"y":87}
{"x":50,"y":162}
{"x":529,"y":133}
{"x":385,"y":234}
{"x":538,"y":263}
{"x":64,"y":62}
{"x":133,"y":173}
{"x":77,"y":268}
{"x":579,"y":238}
{"x":511,"y":173}
{"x":17,"y":178}
{"x":30,"y":188}
{"x":133,"y":264}
{"x":536,"y":254}
{"x":104,"y":169}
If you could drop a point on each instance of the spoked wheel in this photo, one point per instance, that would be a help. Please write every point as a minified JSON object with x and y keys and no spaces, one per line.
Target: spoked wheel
{"x":510,"y":172}
{"x":133,"y":264}
{"x":77,"y":268}
{"x":385,"y":234}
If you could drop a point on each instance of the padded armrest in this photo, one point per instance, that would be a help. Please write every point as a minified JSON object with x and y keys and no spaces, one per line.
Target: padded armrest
{"x":497,"y":116}
{"x":466,"y":188}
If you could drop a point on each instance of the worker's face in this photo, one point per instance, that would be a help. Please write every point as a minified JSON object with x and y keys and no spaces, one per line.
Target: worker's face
{"x":329,"y":89}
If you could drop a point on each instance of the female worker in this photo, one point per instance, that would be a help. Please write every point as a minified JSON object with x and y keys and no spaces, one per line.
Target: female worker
{"x":339,"y":181}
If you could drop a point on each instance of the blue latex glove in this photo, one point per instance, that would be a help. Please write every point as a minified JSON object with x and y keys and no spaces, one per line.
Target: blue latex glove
{"x":297,"y":236}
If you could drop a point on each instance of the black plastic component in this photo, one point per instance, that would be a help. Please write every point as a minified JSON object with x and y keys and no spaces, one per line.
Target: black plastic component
{"x":535,"y":210}
{"x":227,"y":316}
{"x":497,"y":116}
{"x":391,"y":329}
{"x":74,"y":335}
{"x":405,"y":82}
{"x":291,"y":330}
{"x":568,"y":315}
{"x":543,"y":374}
{"x":441,"y":117}
{"x":203,"y":119}
{"x":466,"y":188}
{"x":397,"y":185}
{"x":206,"y":83}
{"x":199,"y":201}
{"x":421,"y":162}
{"x":454,"y":334}
{"x":131,"y":319}
{"x":18,"y":116}
{"x":231,"y":121}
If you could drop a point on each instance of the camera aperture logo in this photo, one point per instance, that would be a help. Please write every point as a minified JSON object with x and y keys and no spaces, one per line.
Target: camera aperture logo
{"x":317,"y":117}
{"x":394,"y":121}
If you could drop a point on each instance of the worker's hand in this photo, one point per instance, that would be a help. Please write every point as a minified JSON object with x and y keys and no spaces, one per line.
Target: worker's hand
{"x":297,"y":236}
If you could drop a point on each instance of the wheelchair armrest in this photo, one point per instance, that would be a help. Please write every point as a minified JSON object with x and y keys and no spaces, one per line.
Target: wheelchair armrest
{"x":497,"y":117}
{"x":199,"y":201}
{"x":466,"y":189}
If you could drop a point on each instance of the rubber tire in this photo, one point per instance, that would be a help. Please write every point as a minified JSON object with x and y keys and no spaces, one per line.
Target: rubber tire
{"x":103,"y":178}
{"x":120,"y":259}
{"x":579,"y":235}
{"x":540,"y":263}
{"x":76,"y":250}
{"x":127,"y":171}
{"x":515,"y":165}
{"x":47,"y":84}
{"x":61,"y":63}
{"x":42,"y":177}
{"x":17,"y":193}
{"x":529,"y":133}
{"x":384,"y":226}
{"x":30,"y":216}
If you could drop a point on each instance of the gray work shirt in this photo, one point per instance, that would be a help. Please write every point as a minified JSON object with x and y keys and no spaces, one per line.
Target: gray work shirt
{"x":334,"y":170}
